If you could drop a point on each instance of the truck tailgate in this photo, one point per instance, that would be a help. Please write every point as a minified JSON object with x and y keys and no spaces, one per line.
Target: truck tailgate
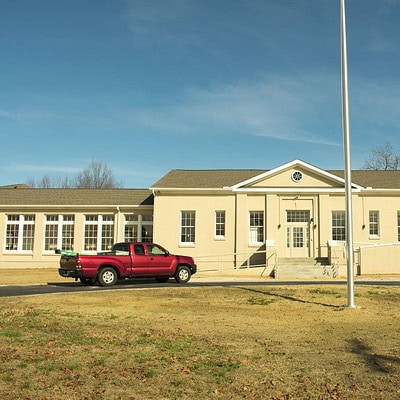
{"x":68,"y":267}
{"x":68,"y":262}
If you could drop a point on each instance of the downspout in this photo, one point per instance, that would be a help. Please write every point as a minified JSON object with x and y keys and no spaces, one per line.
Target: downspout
{"x":235,"y":235}
{"x":155,"y":193}
{"x":118,"y":223}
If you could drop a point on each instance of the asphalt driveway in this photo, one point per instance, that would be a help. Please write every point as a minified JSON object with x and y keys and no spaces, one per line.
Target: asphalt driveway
{"x":72,"y":287}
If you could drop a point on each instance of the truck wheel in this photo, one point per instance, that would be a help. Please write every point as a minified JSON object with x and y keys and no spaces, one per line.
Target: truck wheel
{"x":182,"y":274}
{"x":162,"y":279}
{"x":87,"y":281}
{"x":107,"y":276}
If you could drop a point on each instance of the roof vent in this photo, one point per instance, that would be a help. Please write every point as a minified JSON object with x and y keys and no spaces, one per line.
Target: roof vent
{"x":297,"y":176}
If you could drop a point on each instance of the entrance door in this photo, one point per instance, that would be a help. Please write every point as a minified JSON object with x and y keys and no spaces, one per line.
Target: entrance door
{"x":297,"y":233}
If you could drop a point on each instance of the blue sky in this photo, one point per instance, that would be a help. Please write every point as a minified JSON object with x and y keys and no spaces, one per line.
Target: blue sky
{"x":153,"y":85}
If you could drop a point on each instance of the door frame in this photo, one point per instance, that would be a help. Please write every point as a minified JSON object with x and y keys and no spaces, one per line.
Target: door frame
{"x":302,"y":223}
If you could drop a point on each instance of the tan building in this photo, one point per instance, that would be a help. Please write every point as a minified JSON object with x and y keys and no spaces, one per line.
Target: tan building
{"x":289,"y":221}
{"x":284,"y":222}
{"x":36,"y":222}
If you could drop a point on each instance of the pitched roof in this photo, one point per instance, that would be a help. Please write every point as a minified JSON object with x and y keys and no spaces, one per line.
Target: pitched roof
{"x":374,"y":179}
{"x":15,"y":186}
{"x":180,"y":178}
{"x":99,"y":197}
{"x":217,"y":179}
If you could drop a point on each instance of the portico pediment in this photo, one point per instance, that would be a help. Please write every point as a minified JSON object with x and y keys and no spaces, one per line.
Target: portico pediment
{"x":294,"y":176}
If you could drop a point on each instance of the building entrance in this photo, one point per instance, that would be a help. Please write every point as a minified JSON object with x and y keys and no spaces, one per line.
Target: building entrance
{"x":297,"y":233}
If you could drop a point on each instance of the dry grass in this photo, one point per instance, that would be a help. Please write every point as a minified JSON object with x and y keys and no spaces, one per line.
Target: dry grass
{"x":32,"y":276}
{"x":202,"y":343}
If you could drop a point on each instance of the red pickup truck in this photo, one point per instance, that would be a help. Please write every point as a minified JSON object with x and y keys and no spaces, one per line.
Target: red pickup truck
{"x":127,"y":260}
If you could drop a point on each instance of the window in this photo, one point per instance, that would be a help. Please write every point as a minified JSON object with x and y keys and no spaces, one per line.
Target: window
{"x":256,"y":233}
{"x":138,"y":228}
{"x":220,"y":224}
{"x":131,"y":228}
{"x":20,"y":232}
{"x":188,"y":225}
{"x":59,"y":232}
{"x":121,"y":249}
{"x":139,"y":249}
{"x":298,"y":237}
{"x":374,"y":223}
{"x":155,"y":250}
{"x":107,"y":232}
{"x":297,"y":176}
{"x":298,"y":216}
{"x":146,"y":228}
{"x":398,"y":226}
{"x":338,"y":225}
{"x":99,"y":232}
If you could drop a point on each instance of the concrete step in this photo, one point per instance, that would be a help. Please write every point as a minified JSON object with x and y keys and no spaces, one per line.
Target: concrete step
{"x":296,"y":260}
{"x":303,"y":268}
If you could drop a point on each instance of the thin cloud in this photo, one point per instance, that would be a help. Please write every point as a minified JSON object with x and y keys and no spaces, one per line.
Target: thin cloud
{"x":275,"y":106}
{"x":144,"y":17}
{"x":35,"y":168}
{"x":381,"y":44}
{"x":8,"y":115}
{"x":376,"y":105}
{"x":31,"y":115}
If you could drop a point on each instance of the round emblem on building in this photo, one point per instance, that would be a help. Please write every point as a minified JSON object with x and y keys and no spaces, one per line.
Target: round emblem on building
{"x":297,"y":176}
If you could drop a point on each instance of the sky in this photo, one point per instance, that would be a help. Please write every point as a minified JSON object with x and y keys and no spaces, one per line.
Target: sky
{"x":147,"y":86}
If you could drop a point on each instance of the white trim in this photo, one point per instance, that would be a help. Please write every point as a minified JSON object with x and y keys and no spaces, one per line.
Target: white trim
{"x":219,"y":237}
{"x":20,"y":223}
{"x":60,"y":223}
{"x":184,"y":189}
{"x":292,"y":190}
{"x":294,"y":163}
{"x":74,"y":206}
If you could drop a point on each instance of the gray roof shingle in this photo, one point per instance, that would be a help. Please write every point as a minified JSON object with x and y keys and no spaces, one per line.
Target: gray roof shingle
{"x":78,"y":197}
{"x":215,"y":179}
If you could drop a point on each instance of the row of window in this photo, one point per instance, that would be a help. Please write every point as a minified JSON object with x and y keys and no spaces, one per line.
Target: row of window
{"x":99,"y":229}
{"x":256,"y":224}
{"x":188,"y":226}
{"x":339,"y":225}
{"x":59,"y":231}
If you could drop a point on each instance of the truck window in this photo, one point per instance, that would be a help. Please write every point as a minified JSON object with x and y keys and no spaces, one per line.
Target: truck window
{"x":121,"y":249}
{"x":155,"y":250}
{"x":139,"y":249}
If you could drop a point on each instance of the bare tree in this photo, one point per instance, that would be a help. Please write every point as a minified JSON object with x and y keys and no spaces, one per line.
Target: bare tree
{"x":95,"y":176}
{"x":383,"y":159}
{"x":45,"y":182}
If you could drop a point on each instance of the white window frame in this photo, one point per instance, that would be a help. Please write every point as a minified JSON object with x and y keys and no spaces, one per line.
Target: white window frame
{"x":100,"y":222}
{"x":374,"y":228}
{"x":141,"y":225}
{"x":21,"y":223}
{"x":398,"y":226}
{"x":254,"y":229}
{"x":341,"y":228}
{"x":61,"y":222}
{"x":187,"y":227}
{"x":219,"y":224}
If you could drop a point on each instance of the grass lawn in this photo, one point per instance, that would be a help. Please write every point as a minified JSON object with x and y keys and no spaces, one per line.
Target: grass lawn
{"x":295,"y":342}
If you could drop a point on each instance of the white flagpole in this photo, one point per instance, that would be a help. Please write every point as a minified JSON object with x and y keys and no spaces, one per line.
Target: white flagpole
{"x":347,"y":163}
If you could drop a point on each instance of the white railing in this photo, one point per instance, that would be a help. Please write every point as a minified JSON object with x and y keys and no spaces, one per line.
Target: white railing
{"x":232,"y":262}
{"x":338,"y":254}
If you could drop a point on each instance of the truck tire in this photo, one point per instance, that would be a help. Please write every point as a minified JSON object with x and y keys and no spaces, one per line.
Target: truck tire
{"x":162,"y":279}
{"x":87,"y":281}
{"x":107,"y":276}
{"x":182,"y":274}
